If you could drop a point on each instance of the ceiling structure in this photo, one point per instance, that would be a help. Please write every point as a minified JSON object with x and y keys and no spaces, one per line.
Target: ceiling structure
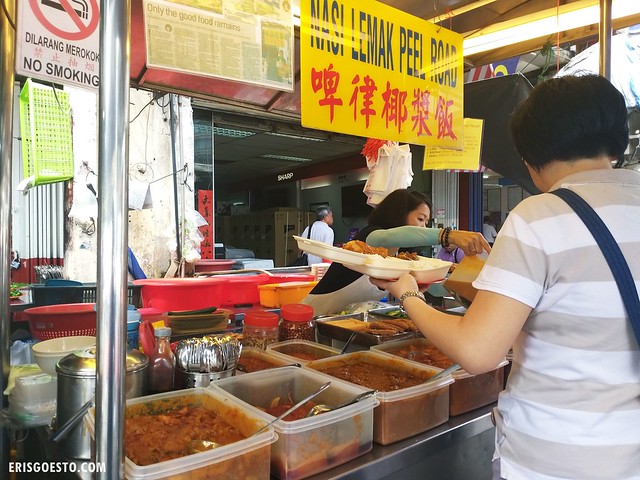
{"x":257,"y":132}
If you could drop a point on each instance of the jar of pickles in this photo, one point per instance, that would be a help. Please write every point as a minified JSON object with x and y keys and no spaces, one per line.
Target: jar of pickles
{"x":297,"y":322}
{"x":260,"y":329}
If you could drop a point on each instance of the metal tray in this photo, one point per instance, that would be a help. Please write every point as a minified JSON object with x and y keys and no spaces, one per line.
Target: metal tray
{"x":388,"y":312}
{"x":364,"y":339}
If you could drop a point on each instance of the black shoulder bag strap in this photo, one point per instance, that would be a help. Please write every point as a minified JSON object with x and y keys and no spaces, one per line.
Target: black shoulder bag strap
{"x":309,"y":231}
{"x":618,"y":265}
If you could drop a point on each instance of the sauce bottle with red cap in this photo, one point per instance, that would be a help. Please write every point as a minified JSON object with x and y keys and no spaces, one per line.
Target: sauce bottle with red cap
{"x":297,"y":322}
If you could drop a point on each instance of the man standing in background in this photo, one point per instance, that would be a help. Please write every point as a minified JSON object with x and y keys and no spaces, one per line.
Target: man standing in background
{"x":321,"y":231}
{"x":488,"y":231}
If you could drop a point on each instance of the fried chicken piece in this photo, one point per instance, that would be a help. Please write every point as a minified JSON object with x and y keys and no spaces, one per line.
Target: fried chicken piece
{"x":404,"y":324}
{"x":360,"y":247}
{"x":407,"y":256}
{"x":384,"y":325}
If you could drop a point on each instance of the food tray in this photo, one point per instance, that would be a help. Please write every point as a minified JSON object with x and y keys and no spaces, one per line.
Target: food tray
{"x":393,"y":311}
{"x":425,"y":270}
{"x":342,"y":334}
{"x":330,"y":252}
{"x":405,"y":412}
{"x":309,"y":445}
{"x":301,"y":351}
{"x":243,"y":459}
{"x":257,"y":360}
{"x":468,"y":392}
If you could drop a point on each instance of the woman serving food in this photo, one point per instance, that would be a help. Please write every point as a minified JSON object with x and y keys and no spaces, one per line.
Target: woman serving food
{"x":398,"y":222}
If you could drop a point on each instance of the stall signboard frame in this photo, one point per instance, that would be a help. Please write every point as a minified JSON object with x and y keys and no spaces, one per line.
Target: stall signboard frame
{"x":249,"y":42}
{"x":371,"y":70}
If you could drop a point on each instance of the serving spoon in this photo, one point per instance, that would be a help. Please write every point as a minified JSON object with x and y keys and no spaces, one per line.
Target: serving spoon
{"x":197,"y":446}
{"x":322,"y":408}
{"x":445,"y":372}
{"x":296,"y":406}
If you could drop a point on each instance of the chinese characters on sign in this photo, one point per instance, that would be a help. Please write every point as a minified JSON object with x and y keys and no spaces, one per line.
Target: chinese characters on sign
{"x":365,"y":74}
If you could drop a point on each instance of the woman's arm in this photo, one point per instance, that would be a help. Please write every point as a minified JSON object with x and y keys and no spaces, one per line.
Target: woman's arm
{"x":471,"y":243}
{"x":404,"y":237}
{"x":480,"y":339}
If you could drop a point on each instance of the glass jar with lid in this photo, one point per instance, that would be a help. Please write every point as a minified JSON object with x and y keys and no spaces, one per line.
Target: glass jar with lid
{"x":297,"y":322}
{"x":260,"y":329}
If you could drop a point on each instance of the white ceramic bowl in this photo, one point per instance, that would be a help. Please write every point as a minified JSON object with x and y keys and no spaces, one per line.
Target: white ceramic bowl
{"x":48,"y":352}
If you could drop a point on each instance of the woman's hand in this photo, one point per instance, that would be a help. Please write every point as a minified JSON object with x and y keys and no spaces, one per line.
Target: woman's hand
{"x":405,"y":283}
{"x":471,"y":243}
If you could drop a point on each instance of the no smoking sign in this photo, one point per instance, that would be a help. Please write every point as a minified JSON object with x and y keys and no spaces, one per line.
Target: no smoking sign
{"x":59,"y":40}
{"x":69,"y":20}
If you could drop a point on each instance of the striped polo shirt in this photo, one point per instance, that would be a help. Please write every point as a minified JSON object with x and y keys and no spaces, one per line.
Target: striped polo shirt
{"x":571,"y":408}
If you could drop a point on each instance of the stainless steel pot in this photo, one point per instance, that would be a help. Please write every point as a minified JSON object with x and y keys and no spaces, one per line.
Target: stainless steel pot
{"x":76,"y":387}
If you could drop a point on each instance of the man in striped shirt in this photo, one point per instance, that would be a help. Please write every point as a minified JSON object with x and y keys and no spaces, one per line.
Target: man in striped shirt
{"x":571,"y":408}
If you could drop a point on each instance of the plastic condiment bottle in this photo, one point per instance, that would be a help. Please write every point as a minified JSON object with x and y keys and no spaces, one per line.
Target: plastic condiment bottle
{"x":260,"y":329}
{"x":162,"y":363}
{"x":297,"y":322}
{"x":133,"y":325}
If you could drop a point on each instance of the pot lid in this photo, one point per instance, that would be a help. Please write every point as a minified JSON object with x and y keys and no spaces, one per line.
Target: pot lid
{"x":82,"y":363}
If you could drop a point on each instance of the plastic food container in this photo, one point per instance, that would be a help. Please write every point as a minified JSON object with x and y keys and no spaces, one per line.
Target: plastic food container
{"x":468,"y":392}
{"x":301,"y":351}
{"x":405,"y":412}
{"x":254,"y":359}
{"x":248,"y":458}
{"x":309,"y":445}
{"x":335,"y":254}
{"x":297,"y":323}
{"x":171,"y":294}
{"x":274,"y":295}
{"x":260,"y":329}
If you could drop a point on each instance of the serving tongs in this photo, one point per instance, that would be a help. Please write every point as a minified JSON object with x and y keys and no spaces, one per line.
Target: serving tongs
{"x":322,"y":408}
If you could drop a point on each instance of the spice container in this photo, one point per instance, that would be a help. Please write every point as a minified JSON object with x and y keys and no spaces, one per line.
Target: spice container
{"x":297,"y":322}
{"x":260,"y":329}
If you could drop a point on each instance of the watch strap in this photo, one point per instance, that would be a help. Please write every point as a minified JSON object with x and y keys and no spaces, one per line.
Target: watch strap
{"x":410,"y":293}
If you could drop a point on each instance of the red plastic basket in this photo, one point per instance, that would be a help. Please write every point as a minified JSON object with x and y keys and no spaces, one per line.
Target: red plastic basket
{"x":64,"y":320}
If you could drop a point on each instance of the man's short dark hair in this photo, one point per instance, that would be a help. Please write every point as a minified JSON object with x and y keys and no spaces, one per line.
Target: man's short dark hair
{"x":569,"y":118}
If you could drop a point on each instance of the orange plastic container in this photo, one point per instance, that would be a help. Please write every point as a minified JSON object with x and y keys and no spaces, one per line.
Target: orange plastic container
{"x":274,"y":295}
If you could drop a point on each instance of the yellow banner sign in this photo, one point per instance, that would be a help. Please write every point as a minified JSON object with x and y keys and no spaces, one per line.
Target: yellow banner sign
{"x":436,"y":158}
{"x":371,"y":70}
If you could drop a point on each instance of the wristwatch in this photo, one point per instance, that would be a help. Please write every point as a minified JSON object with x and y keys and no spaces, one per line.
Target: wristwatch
{"x":410,"y":293}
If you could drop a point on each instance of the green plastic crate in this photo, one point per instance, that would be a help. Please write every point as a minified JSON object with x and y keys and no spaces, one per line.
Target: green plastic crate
{"x":45,"y":123}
